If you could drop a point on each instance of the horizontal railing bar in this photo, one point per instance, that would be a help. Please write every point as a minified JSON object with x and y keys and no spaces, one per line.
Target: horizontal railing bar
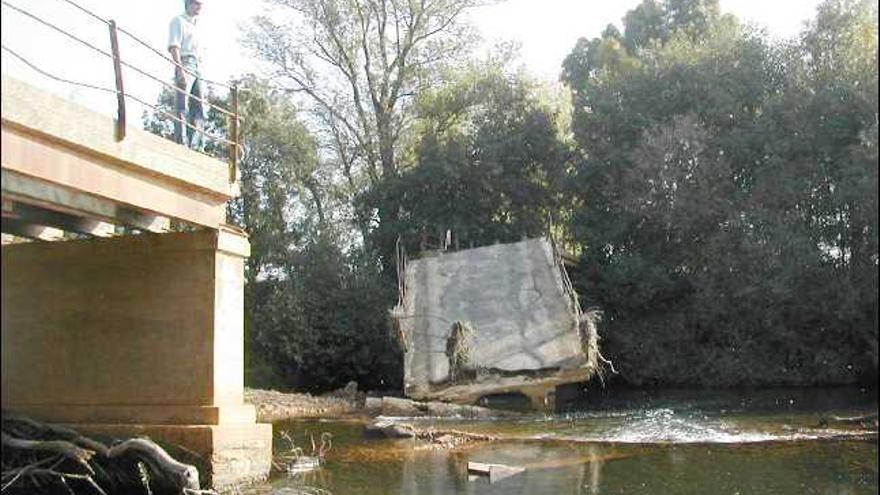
{"x":140,"y":41}
{"x":86,"y":11}
{"x":169,"y":59}
{"x":108,"y":90}
{"x":234,"y":144}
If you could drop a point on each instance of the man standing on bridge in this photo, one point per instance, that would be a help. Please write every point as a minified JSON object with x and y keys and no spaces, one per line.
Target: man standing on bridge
{"x":183,"y":44}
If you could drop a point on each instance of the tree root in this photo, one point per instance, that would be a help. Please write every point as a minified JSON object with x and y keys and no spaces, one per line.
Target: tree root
{"x":63,"y":448}
{"x":175,"y":473}
{"x":46,"y":458}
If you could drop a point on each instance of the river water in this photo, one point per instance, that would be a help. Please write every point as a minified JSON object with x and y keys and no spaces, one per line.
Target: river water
{"x":666,"y":442}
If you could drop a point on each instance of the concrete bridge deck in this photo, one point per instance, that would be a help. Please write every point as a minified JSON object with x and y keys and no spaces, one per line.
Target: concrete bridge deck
{"x":62,"y":157}
{"x":115,"y":333}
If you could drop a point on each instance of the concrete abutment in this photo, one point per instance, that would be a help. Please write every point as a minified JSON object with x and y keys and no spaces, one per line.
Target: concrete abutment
{"x":135,"y":335}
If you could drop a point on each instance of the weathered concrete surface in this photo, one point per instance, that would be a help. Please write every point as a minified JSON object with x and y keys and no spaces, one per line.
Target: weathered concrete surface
{"x":514,"y":297}
{"x":136,"y":334}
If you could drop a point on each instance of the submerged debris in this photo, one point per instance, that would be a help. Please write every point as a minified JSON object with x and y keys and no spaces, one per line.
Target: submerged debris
{"x":495,"y":472}
{"x":867,"y":421}
{"x":295,"y":460}
{"x":433,"y":437}
{"x":385,"y":428}
{"x":273,"y":406}
{"x":301,"y":490}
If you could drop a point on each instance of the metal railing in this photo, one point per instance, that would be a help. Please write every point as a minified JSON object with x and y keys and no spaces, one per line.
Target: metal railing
{"x":233,"y":139}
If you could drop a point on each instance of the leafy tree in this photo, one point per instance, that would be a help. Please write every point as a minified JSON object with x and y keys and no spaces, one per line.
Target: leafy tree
{"x":316,"y":316}
{"x":362,"y":63}
{"x":726,"y":203}
{"x":327,"y":323}
{"x":282,"y":200}
{"x":646,"y":25}
{"x":821,"y":177}
{"x":653,"y":23}
{"x":489,"y":164}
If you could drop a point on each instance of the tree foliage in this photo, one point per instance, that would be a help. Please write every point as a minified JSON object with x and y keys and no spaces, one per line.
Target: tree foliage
{"x":488,"y":164}
{"x":721,"y":186}
{"x":727,"y":195}
{"x":326,"y":324}
{"x":316,"y":316}
{"x":362,"y":64}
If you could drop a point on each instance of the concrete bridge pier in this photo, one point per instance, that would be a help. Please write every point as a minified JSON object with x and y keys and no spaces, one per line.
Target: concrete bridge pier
{"x":542,"y":398}
{"x":135,"y":335}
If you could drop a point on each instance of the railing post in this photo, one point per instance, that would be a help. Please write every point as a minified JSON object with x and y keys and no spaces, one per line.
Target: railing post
{"x":120,"y":92}
{"x":233,"y":134}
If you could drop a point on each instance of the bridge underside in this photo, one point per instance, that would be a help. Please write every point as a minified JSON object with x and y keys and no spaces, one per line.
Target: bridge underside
{"x":132,"y":321}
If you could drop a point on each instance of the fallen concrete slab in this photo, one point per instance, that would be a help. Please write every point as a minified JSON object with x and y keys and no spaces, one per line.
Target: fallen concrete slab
{"x":492,"y":320}
{"x":495,"y":472}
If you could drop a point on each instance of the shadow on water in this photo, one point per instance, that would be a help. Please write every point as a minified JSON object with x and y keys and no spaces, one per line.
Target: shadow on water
{"x":672,"y":443}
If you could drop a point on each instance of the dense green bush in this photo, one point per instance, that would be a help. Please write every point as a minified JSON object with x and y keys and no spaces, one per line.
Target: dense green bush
{"x":326,"y":324}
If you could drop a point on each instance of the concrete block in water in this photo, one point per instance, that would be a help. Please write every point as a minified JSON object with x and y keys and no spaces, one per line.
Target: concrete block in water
{"x":514,"y":298}
{"x":495,"y":472}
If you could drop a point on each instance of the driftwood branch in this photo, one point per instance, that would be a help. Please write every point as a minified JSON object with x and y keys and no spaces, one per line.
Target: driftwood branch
{"x":38,"y":455}
{"x":63,"y":448}
{"x":172,"y":471}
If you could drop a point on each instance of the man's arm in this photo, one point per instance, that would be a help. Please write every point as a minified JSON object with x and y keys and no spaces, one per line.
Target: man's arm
{"x":175,"y":38}
{"x":179,"y":76}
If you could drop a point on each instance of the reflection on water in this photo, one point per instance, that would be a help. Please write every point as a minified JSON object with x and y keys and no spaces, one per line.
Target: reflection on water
{"x":679,"y":446}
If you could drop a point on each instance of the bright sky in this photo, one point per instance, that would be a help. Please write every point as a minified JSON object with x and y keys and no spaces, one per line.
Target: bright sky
{"x":548,"y":29}
{"x":545,"y":29}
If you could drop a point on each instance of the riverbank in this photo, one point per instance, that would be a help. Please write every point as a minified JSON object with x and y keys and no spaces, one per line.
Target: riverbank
{"x":273,"y":406}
